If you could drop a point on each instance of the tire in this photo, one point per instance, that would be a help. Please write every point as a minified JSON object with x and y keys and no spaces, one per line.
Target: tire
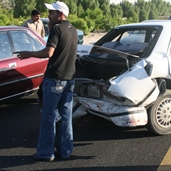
{"x":159,"y":115}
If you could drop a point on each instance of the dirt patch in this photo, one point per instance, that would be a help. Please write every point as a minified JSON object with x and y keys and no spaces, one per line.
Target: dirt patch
{"x":92,"y":38}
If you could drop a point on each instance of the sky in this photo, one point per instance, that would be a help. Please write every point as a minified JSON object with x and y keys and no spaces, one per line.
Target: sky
{"x":132,"y":1}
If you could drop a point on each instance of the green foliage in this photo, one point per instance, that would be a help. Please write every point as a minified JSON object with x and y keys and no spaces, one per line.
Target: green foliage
{"x":80,"y":10}
{"x":105,"y":6}
{"x":108,"y":23}
{"x":88,"y":15}
{"x":23,"y":8}
{"x":73,"y":7}
{"x":17,"y":21}
{"x":81,"y":25}
{"x":90,"y":23}
{"x":91,"y":4}
{"x":132,"y":16}
{"x":4,"y":20}
{"x":44,"y":14}
{"x":40,"y":5}
{"x":72,"y":17}
{"x":143,"y":15}
{"x":126,"y":6}
{"x":95,"y":15}
{"x":152,"y":15}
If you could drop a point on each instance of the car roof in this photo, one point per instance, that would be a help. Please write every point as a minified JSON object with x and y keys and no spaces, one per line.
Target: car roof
{"x":45,"y":19}
{"x":13,"y":28}
{"x":163,"y":23}
{"x":155,"y":21}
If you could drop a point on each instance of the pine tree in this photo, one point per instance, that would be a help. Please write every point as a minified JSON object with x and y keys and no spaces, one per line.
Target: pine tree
{"x":23,"y":8}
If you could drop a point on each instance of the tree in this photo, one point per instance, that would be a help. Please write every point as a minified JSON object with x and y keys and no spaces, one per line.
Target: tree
{"x":113,"y":11}
{"x":116,"y":11}
{"x":142,"y":4}
{"x":152,"y":15}
{"x":23,"y":8}
{"x":8,"y":4}
{"x":80,"y":10}
{"x":90,"y":24}
{"x":120,"y":11}
{"x":95,"y":15}
{"x":105,"y":6}
{"x":160,"y":4}
{"x":4,"y":20}
{"x":82,"y":25}
{"x":40,"y":5}
{"x":72,"y":7}
{"x":132,"y":16}
{"x":126,"y":6}
{"x":91,"y":4}
{"x":143,"y":15}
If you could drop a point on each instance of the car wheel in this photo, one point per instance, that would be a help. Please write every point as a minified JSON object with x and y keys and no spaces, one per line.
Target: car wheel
{"x":159,"y":115}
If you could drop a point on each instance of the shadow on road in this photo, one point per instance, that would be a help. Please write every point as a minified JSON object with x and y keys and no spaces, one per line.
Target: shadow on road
{"x":20,"y":121}
{"x":19,"y":129}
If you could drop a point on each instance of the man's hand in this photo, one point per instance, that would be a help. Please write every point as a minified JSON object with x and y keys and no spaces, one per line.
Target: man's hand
{"x":23,"y":54}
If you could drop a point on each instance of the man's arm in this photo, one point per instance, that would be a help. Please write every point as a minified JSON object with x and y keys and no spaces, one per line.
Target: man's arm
{"x":44,"y":53}
{"x":42,"y":31}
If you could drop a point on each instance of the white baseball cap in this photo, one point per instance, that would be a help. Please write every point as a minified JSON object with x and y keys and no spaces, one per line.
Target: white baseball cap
{"x":60,"y":6}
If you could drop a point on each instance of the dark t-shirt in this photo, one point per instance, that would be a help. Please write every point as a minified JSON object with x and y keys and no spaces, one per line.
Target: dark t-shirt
{"x":63,"y":37}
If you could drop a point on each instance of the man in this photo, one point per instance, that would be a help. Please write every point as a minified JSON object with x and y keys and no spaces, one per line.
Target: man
{"x":35,"y":23}
{"x":58,"y":84}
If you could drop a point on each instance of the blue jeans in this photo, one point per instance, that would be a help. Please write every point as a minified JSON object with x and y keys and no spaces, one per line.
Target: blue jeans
{"x":56,"y":93}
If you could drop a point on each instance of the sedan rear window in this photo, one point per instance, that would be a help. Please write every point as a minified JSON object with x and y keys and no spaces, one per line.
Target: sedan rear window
{"x":5,"y":48}
{"x":24,"y":41}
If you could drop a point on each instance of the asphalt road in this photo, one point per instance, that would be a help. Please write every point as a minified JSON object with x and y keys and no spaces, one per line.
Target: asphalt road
{"x":99,"y":145}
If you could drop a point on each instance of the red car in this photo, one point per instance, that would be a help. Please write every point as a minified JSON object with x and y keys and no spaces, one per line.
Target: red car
{"x":19,"y":77}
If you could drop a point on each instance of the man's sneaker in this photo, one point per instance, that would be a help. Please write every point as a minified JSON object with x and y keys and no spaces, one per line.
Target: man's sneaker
{"x":42,"y":159}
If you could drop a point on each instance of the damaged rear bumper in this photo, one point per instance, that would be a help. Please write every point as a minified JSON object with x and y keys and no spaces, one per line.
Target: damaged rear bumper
{"x":124,"y":116}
